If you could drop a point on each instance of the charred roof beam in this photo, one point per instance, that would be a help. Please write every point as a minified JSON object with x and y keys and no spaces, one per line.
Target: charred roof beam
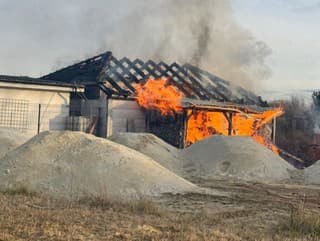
{"x":183,"y":84}
{"x":202,"y":93}
{"x":164,"y":73}
{"x":120,"y":64}
{"x":197,"y":72}
{"x":89,"y":68}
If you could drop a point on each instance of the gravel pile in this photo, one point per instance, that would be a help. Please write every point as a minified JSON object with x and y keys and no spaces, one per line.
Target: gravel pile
{"x":75,"y":165}
{"x":154,"y":147}
{"x":215,"y":157}
{"x":11,"y":139}
{"x":234,"y":157}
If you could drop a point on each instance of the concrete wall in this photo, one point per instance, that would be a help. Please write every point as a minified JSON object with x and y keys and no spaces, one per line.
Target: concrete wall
{"x":19,"y":107}
{"x":125,"y":116}
{"x":36,"y":96}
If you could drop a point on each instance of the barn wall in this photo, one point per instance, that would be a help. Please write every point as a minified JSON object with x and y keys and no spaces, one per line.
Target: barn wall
{"x":125,"y":116}
{"x":19,"y":108}
{"x":170,"y":128}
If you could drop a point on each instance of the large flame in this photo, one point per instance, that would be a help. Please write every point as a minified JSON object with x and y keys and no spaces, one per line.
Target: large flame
{"x":159,"y":94}
{"x":202,"y":124}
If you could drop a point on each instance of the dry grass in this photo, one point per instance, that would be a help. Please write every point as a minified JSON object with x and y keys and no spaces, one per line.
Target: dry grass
{"x":21,"y":190}
{"x":301,"y":222}
{"x":139,"y":206}
{"x":249,"y":215}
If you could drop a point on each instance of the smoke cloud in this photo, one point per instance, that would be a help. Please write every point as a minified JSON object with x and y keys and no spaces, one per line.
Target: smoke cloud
{"x":41,"y":36}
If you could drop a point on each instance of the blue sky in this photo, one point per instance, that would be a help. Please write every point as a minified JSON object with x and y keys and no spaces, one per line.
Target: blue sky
{"x":291,"y":29}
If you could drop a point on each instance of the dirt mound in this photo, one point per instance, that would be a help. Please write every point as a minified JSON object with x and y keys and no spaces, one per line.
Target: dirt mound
{"x":74,"y":165}
{"x":152,"y":146}
{"x":234,"y":157}
{"x":11,"y":139}
{"x":312,"y":174}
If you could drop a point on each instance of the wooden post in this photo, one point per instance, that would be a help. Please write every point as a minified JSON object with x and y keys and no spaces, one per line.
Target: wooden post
{"x":184,"y":129}
{"x":230,"y":122}
{"x":39,"y":118}
{"x":148,"y":120}
{"x":107,"y":117}
{"x":229,"y":117}
{"x":274,"y":130}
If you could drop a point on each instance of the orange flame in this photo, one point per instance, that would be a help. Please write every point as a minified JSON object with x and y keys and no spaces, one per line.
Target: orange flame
{"x":263,"y":142}
{"x":203,"y":124}
{"x":159,"y":94}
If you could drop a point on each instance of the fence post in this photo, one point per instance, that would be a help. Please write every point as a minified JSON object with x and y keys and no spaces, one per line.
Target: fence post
{"x":39,"y":118}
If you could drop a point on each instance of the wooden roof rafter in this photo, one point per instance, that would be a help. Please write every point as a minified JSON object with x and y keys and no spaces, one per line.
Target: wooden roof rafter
{"x":119,"y":75}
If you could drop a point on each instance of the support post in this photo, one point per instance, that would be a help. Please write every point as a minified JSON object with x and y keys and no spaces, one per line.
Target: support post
{"x":102,"y":116}
{"x":229,"y":117}
{"x":39,"y":118}
{"x":147,"y":120}
{"x":184,"y":128}
{"x":107,"y":117}
{"x":274,"y":130}
{"x":230,"y":127}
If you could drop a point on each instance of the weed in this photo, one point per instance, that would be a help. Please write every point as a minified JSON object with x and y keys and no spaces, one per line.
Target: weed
{"x":301,"y":222}
{"x":21,"y":190}
{"x":145,"y":206}
{"x":139,"y":206}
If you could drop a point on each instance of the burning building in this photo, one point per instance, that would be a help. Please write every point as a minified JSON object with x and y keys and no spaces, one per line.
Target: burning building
{"x":181,"y":104}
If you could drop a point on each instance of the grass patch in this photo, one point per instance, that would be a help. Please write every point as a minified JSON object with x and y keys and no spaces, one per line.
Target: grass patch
{"x":301,"y":222}
{"x":18,"y":191}
{"x":139,"y":206}
{"x":145,"y":206}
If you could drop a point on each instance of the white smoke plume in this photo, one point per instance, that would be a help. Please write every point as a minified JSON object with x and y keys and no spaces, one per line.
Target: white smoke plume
{"x":45,"y":35}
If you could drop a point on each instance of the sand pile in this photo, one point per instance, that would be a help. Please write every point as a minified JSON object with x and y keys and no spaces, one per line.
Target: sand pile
{"x":235,"y":157}
{"x":11,"y":139}
{"x":312,"y":174}
{"x":74,"y":165}
{"x":152,"y":146}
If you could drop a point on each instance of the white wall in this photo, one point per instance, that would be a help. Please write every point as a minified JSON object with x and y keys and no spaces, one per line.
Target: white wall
{"x":125,"y":116}
{"x":22,"y":107}
{"x":36,"y":96}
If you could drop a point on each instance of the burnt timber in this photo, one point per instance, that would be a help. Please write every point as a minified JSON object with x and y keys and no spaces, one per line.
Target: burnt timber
{"x":116,"y":77}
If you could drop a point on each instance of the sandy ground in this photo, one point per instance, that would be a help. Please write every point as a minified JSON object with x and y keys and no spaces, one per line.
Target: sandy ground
{"x":252,"y":211}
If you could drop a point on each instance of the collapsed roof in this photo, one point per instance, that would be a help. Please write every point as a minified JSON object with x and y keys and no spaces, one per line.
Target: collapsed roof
{"x":115,"y":77}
